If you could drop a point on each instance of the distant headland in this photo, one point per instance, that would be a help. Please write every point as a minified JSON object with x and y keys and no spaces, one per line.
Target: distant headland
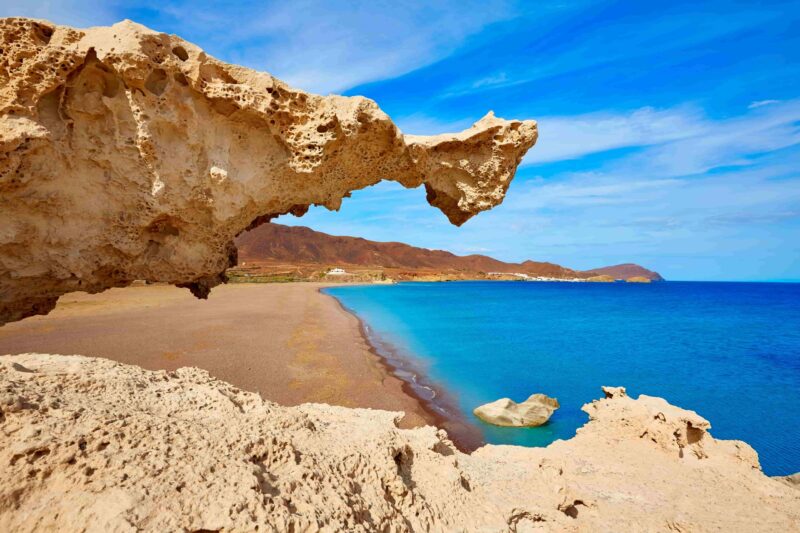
{"x":274,"y":252}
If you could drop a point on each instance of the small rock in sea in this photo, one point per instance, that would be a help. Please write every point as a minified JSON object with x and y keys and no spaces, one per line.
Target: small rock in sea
{"x":534,"y":411}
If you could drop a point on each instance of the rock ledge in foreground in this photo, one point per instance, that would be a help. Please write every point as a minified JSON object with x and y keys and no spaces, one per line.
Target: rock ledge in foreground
{"x":90,"y":444}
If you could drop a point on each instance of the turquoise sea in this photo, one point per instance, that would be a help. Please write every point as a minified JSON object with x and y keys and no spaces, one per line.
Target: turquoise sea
{"x":729,"y":351}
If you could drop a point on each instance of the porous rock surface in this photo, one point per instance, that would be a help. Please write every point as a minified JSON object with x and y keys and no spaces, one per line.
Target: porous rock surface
{"x":129,"y":154}
{"x":534,"y":411}
{"x":792,"y":480}
{"x":90,"y":444}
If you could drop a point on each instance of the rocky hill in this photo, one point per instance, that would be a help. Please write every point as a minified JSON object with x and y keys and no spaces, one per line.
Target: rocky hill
{"x":626,"y":271}
{"x":272,"y":247}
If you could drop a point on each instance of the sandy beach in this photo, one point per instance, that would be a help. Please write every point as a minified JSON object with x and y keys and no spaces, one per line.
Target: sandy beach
{"x":288,"y":342}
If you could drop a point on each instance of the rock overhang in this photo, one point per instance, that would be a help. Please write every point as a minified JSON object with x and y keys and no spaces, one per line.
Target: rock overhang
{"x":127,"y":154}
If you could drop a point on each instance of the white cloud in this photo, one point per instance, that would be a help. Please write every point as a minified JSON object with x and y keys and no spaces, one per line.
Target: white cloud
{"x":683,"y":137}
{"x":587,"y":189}
{"x":677,"y":141}
{"x":572,"y":137}
{"x":490,"y":81}
{"x":326,"y":47}
{"x":315,"y":45}
{"x":762,"y":103}
{"x":622,"y":39}
{"x":723,"y":143}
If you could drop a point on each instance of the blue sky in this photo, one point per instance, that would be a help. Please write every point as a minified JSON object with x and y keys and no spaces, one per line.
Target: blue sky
{"x":669,"y":131}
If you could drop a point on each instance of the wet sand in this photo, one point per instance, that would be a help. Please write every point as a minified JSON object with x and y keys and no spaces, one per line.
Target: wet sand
{"x":288,"y":342}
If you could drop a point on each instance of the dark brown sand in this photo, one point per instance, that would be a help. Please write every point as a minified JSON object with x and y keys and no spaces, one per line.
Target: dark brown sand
{"x":288,"y":342}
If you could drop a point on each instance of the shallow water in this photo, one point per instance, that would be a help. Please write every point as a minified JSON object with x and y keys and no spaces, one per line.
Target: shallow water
{"x":730,"y":351}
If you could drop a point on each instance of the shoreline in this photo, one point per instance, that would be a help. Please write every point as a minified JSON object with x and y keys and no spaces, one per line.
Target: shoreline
{"x":440,"y":409}
{"x":288,"y":342}
{"x":292,"y":343}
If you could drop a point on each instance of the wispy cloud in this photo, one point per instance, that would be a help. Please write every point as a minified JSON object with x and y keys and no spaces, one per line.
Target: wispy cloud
{"x":315,"y":45}
{"x":627,"y":36}
{"x":586,"y":189}
{"x":563,"y":138}
{"x":678,"y":141}
{"x":762,"y":103}
{"x":331,"y":46}
{"x":325,"y":46}
{"x":737,"y":141}
{"x":501,"y":78}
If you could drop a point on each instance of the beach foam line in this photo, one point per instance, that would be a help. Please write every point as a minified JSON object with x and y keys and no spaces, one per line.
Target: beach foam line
{"x":440,"y":407}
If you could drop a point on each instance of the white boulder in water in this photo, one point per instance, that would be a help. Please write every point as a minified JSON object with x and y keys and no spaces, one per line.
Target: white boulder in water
{"x":534,"y":411}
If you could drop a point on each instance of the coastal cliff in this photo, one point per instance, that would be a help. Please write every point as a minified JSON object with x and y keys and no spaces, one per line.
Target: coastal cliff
{"x":93,"y":442}
{"x":127,"y":154}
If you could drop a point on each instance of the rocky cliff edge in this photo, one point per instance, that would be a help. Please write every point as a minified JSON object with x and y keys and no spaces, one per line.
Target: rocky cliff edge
{"x":92,"y":443}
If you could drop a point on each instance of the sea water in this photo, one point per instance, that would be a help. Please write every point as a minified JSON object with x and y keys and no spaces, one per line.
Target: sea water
{"x":729,"y":351}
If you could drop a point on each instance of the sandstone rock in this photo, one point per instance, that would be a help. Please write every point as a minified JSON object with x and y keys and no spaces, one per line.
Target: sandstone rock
{"x":639,"y":279}
{"x":614,"y":392}
{"x":90,"y":444}
{"x":129,"y":154}
{"x":534,"y":411}
{"x":793,"y":480}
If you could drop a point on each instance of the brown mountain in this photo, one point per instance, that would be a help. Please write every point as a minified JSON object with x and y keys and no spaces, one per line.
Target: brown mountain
{"x":626,"y":271}
{"x":274,"y":247}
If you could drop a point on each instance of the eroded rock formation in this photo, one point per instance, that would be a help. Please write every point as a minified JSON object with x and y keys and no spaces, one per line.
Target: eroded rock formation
{"x":128,"y":154}
{"x":88,"y":441}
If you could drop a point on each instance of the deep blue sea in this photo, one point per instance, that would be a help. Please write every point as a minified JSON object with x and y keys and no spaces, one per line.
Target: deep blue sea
{"x":729,"y":351}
